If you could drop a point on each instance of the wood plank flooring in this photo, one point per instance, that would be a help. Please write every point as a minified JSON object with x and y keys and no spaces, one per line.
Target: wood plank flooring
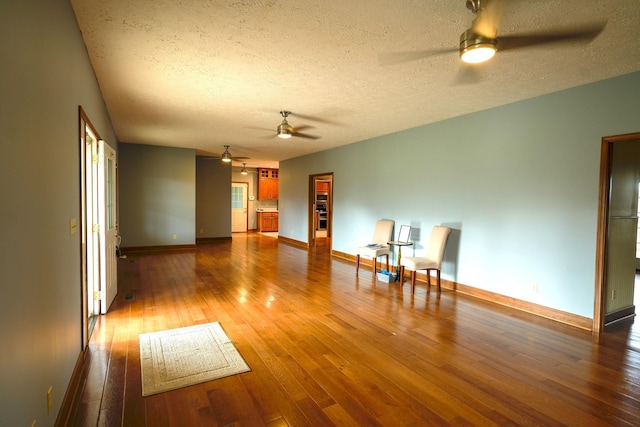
{"x":328,"y":348}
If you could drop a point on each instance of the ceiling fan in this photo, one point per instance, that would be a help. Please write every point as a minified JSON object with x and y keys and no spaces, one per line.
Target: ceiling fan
{"x":244,"y":170}
{"x":285,"y":130}
{"x":480,"y":42}
{"x":225,"y":156}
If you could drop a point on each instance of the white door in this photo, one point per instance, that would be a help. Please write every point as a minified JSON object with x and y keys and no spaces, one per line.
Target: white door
{"x":239,"y":220}
{"x":107,"y":225}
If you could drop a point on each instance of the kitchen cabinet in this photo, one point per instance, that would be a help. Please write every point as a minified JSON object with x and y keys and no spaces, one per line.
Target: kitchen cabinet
{"x":322,"y":186}
{"x":267,"y":221}
{"x":268,"y":183}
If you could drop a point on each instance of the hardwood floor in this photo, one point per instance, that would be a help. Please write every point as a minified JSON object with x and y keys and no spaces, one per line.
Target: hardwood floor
{"x":328,"y":348}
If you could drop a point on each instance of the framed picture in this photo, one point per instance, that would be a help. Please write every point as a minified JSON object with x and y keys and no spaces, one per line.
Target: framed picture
{"x":405,"y":233}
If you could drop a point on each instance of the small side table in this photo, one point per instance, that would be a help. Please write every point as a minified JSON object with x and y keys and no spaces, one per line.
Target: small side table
{"x":399,"y":245}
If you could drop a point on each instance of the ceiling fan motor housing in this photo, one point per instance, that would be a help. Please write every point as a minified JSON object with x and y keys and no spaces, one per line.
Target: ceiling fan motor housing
{"x":284,"y":130}
{"x":470,"y":41}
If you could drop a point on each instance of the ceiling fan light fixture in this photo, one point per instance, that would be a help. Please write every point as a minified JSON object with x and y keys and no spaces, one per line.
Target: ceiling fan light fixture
{"x":284,"y":130}
{"x":244,"y":171}
{"x":226,"y":156}
{"x":475,"y":48}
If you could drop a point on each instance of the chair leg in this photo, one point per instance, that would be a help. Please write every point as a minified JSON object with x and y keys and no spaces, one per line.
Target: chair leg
{"x":429,"y":278}
{"x":413,"y":281}
{"x":357,"y":264}
{"x":387,"y":255}
{"x":401,"y":275}
{"x":375,"y":265}
{"x":438,"y":275}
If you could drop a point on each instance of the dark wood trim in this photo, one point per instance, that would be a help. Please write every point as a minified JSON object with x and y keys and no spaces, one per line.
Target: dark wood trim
{"x":211,"y":239}
{"x":74,"y":390}
{"x":311,"y":214}
{"x":84,"y":116}
{"x":601,"y":236}
{"x":363,"y":261}
{"x":539,"y":310}
{"x":140,"y":250}
{"x":526,"y":306}
{"x":619,"y":315}
{"x":292,"y":242}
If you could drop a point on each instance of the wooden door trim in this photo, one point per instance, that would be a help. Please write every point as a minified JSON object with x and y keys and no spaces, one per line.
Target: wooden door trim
{"x":311,"y":241}
{"x":602,"y":234}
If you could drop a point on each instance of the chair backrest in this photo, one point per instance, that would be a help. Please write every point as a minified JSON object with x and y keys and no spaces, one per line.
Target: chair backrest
{"x":383,"y":232}
{"x":437,"y":242}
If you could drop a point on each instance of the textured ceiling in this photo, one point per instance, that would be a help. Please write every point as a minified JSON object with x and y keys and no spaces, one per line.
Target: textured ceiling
{"x":202,"y":74}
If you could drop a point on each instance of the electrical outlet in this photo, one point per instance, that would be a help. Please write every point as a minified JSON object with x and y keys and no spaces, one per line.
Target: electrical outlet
{"x":50,"y":400}
{"x":201,"y":231}
{"x":613,"y":294}
{"x":175,"y":237}
{"x":534,"y":288}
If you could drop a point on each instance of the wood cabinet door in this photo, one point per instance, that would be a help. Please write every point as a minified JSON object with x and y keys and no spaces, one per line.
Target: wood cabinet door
{"x":322,"y":187}
{"x":268,"y":184}
{"x":268,"y":221}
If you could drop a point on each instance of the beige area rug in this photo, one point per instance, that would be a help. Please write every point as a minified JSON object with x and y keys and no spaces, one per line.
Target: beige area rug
{"x":182,"y":357}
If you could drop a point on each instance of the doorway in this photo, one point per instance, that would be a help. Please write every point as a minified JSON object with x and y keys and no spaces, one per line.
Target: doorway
{"x":321,"y":212}
{"x":239,"y":217}
{"x":611,"y":234}
{"x":98,"y":226}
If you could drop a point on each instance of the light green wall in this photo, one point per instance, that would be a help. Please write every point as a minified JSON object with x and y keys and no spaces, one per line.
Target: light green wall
{"x":157,"y":190}
{"x":44,"y":77}
{"x":518,"y":183}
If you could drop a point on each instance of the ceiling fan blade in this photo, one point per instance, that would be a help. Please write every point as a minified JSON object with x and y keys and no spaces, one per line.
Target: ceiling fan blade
{"x":258,"y":128}
{"x":392,"y":58}
{"x":582,"y":34}
{"x":304,"y":135}
{"x":303,"y":127}
{"x":313,"y":118}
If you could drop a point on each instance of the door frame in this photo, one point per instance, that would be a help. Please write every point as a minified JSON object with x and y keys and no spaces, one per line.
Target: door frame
{"x":599,"y":310}
{"x":87,"y":247}
{"x":245,"y":205}
{"x":95,"y":255}
{"x":311,"y":220}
